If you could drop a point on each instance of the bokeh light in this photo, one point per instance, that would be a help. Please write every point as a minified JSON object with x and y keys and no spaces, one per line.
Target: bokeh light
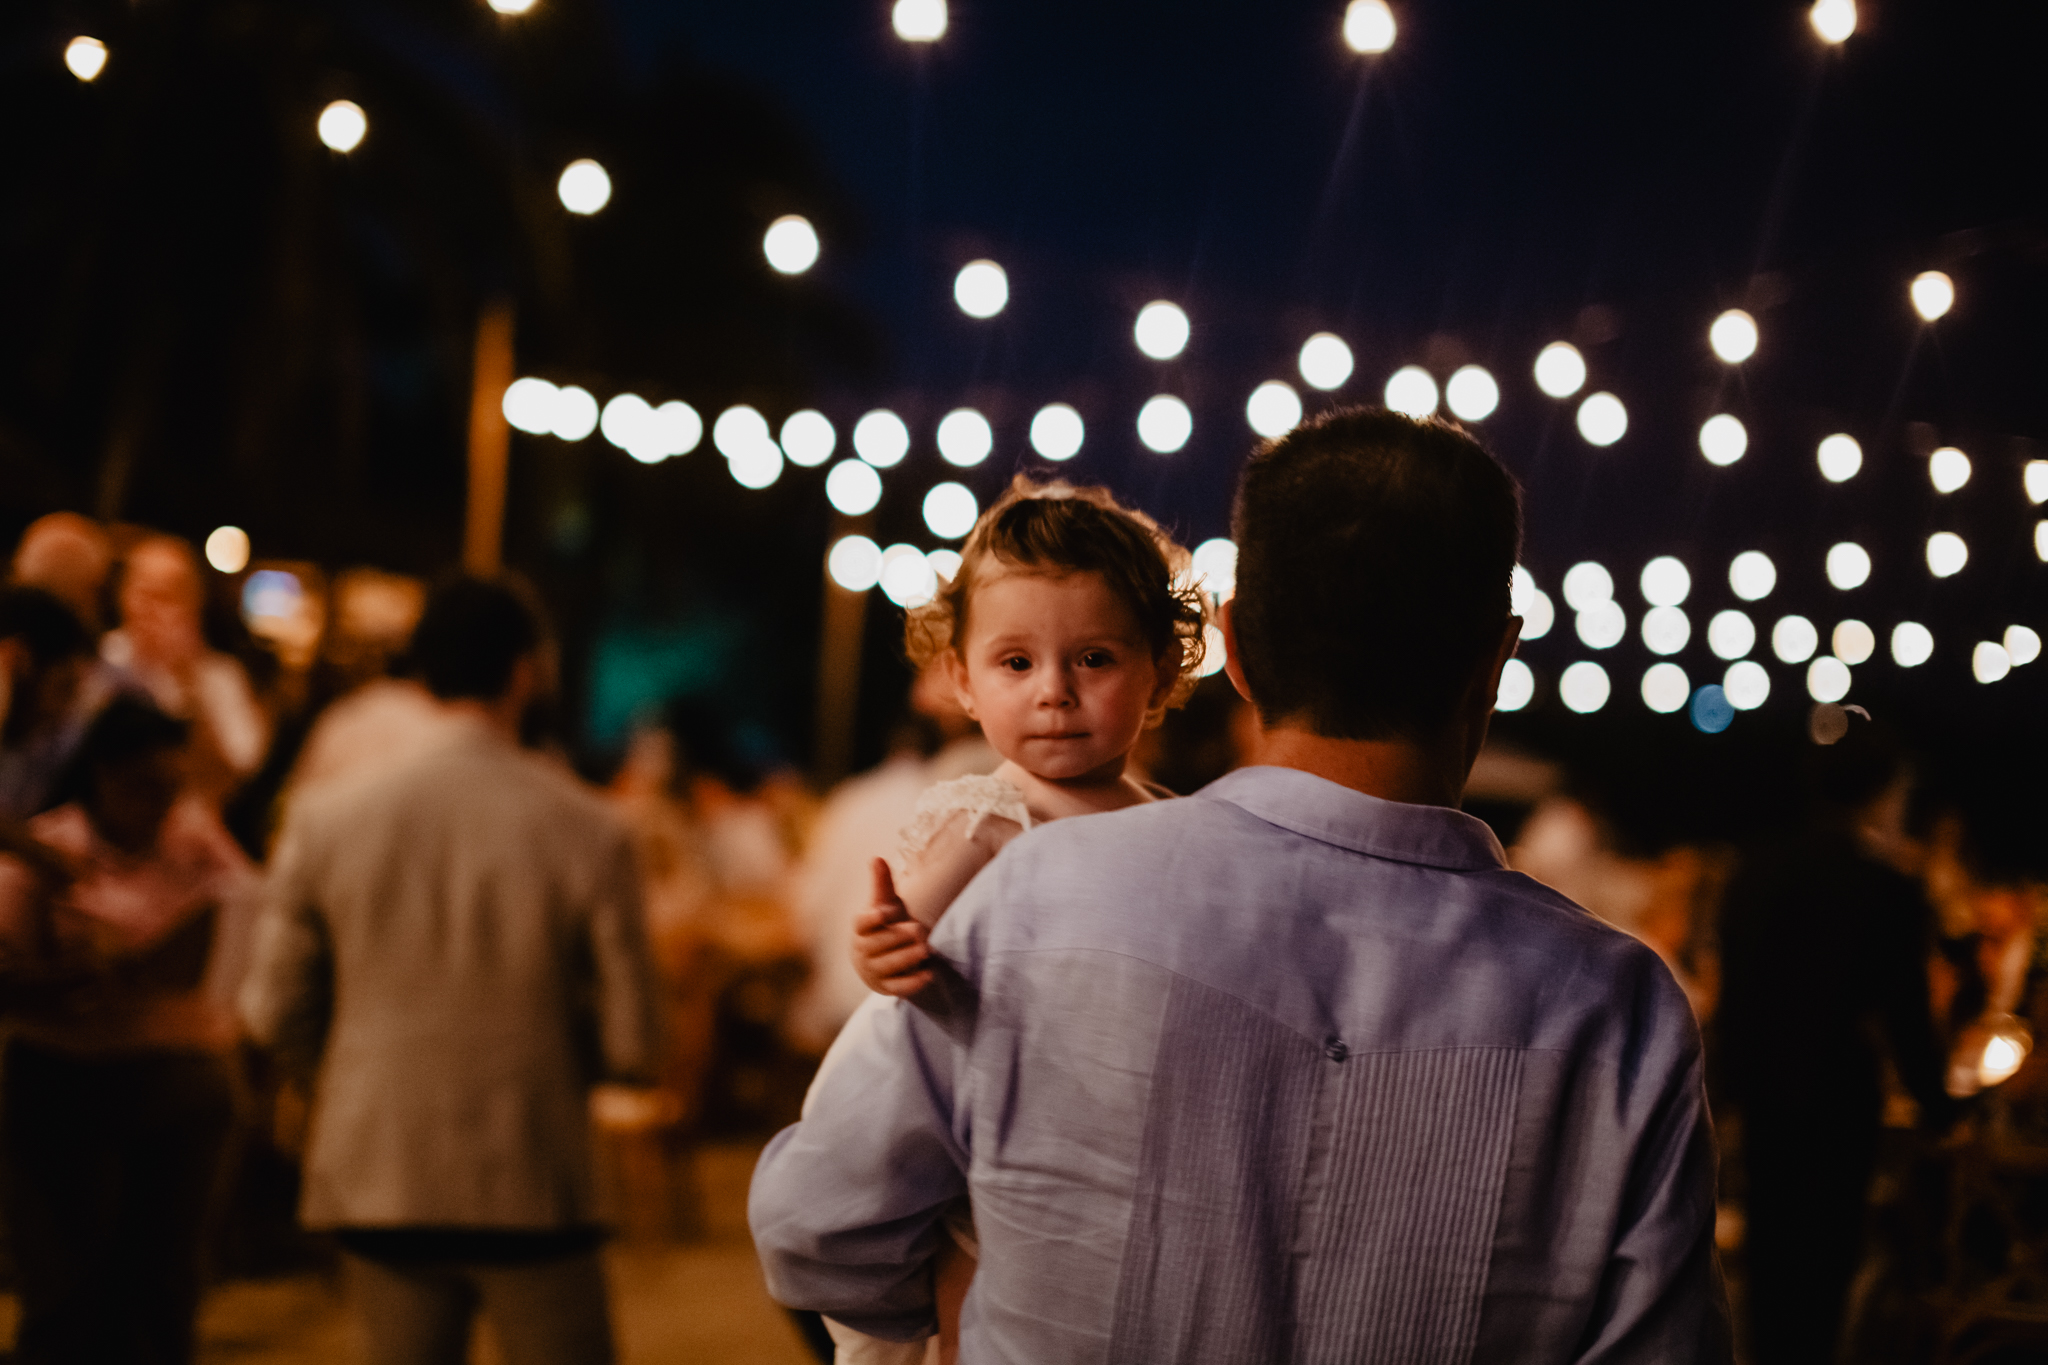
{"x":881,"y":439}
{"x":739,"y":429}
{"x":1531,"y":603}
{"x":1165,"y":424}
{"x":2041,"y":541}
{"x":2022,"y":644}
{"x":227,"y":550}
{"x":919,"y":21}
{"x":1471,"y":394}
{"x":575,"y":413}
{"x":1274,"y":409}
{"x":87,"y":57}
{"x":1602,"y":419}
{"x":1723,"y":439}
{"x":945,"y":563}
{"x":1583,"y":687}
{"x":511,"y":6}
{"x":1839,"y":457}
{"x":1411,"y":391}
{"x":1794,"y":639}
{"x":1751,"y":575}
{"x":1517,"y":686}
{"x":1848,"y":565}
{"x":808,"y":438}
{"x":1746,"y":685}
{"x":908,"y":578}
{"x":1853,"y":642}
{"x":1057,"y":431}
{"x":530,"y":405}
{"x":1989,"y":662}
{"x":950,"y":510}
{"x":1215,"y":652}
{"x":1731,"y":634}
{"x":1215,"y":566}
{"x":1369,"y":26}
{"x":1325,"y":361}
{"x":853,"y":487}
{"x":855,"y":562}
{"x":676,"y":428}
{"x":1666,"y":630}
{"x":790,"y":244}
{"x":1161,"y":330}
{"x":965,"y":438}
{"x":628,"y":423}
{"x":1711,"y":713}
{"x":1947,"y":554}
{"x":757,"y":465}
{"x":585,"y":187}
{"x":1733,"y":336}
{"x":1827,"y":679}
{"x":1602,"y":625}
{"x":1560,"y":369}
{"x":1587,"y":583}
{"x":1912,"y":644}
{"x":982,"y":289}
{"x":2034,"y":478}
{"x":1948,"y":469}
{"x":343,"y":125}
{"x":1833,"y":20}
{"x":1933,"y":294}
{"x":1666,"y":688}
{"x":1665,"y":581}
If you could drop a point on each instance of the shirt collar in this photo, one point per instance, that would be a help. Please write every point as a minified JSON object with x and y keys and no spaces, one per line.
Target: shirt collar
{"x":1433,"y":836}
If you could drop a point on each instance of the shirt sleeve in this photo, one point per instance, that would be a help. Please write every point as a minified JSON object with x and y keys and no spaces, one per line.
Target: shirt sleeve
{"x":627,"y":998}
{"x":287,"y":996}
{"x":846,"y":1205}
{"x":1662,"y":1298}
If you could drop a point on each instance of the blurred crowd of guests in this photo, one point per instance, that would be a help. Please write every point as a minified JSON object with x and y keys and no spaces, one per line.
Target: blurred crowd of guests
{"x":1867,"y":960}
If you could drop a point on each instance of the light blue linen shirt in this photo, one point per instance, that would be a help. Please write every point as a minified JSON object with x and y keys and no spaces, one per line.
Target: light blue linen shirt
{"x":1279,"y":1072}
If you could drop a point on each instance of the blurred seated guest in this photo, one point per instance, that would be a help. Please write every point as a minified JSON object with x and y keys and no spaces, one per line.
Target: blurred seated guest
{"x":119,"y":1099}
{"x":1824,"y":953}
{"x":50,"y":689}
{"x":160,"y":642}
{"x":860,"y":821}
{"x":69,"y":557}
{"x":452,"y":956}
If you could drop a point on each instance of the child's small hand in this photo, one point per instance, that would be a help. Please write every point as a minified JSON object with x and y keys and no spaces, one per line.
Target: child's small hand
{"x":889,"y":948}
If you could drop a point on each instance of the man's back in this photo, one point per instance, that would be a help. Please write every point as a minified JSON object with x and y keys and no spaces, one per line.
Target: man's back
{"x":459,"y":943}
{"x":1303,"y":1076}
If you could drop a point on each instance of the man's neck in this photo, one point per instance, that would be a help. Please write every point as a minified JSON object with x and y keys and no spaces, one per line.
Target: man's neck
{"x":1391,"y":769}
{"x":497,"y":716}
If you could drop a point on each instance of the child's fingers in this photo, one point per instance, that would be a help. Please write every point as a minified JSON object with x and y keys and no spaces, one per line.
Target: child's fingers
{"x":897,"y":962}
{"x":888,"y":936}
{"x":904,"y":987}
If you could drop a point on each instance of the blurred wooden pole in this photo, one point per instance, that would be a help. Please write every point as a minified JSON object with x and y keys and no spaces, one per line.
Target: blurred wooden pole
{"x":490,"y":440}
{"x":843,"y":624}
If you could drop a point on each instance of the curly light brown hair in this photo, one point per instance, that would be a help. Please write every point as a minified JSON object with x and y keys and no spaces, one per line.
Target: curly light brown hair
{"x":1058,"y":528}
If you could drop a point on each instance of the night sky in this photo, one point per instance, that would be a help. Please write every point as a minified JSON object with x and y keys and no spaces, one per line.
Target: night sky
{"x":1509,"y":174}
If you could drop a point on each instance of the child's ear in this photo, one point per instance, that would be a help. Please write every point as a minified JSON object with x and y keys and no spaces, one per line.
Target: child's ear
{"x":956,"y":674}
{"x":1168,"y":665}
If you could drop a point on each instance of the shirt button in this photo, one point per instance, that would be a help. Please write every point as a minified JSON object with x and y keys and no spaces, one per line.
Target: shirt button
{"x":1334,"y":1049}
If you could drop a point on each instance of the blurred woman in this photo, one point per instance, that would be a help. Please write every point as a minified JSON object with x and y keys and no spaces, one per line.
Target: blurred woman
{"x":118,"y":1096}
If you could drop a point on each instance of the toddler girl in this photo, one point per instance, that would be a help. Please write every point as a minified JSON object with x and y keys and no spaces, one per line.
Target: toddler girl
{"x":1069,"y":628}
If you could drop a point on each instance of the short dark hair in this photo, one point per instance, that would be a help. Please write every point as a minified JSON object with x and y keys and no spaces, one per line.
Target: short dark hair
{"x":1375,"y":554}
{"x":127,"y":728}
{"x":51,"y":630}
{"x":1059,"y":528}
{"x":471,"y":634}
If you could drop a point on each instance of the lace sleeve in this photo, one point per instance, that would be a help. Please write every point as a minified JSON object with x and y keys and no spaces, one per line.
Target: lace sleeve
{"x":976,"y":797}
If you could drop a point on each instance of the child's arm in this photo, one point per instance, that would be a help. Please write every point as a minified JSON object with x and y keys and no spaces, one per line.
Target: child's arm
{"x":889,"y":937}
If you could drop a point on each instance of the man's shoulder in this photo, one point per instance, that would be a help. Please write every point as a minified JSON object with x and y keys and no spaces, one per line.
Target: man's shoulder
{"x":467,"y":775}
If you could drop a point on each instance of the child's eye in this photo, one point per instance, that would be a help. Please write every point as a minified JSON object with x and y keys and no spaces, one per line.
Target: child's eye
{"x":1097,"y":658}
{"x":1016,"y":663}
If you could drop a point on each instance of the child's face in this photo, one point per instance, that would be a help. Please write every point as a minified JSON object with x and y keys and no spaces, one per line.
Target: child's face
{"x":1058,"y":673}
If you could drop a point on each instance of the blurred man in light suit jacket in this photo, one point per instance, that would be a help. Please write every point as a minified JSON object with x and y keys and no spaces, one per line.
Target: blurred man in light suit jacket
{"x":452,"y":950}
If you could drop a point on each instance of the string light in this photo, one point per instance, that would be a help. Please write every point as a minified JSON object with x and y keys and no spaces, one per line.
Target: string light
{"x":1057,"y":431}
{"x":1751,"y":575}
{"x":919,"y":21}
{"x":227,"y":550}
{"x":853,"y":488}
{"x":1839,"y":457}
{"x":1602,"y":625}
{"x":1731,"y":634}
{"x":1933,"y":294}
{"x":1912,"y":644}
{"x":1723,"y":439}
{"x":511,"y":6}
{"x":1165,"y":424}
{"x":1325,"y":361}
{"x":757,"y":465}
{"x":965,"y":438}
{"x":1274,"y":409}
{"x":1666,"y":630}
{"x":1161,"y":330}
{"x":1848,"y":565}
{"x":855,"y":562}
{"x":1584,"y":687}
{"x":1710,"y":712}
{"x":2023,"y":644}
{"x":1369,"y":26}
{"x":881,"y":439}
{"x":1472,"y":394}
{"x":1828,"y":679}
{"x":1411,"y":391}
{"x":584,"y":187}
{"x":1560,"y":369}
{"x":1214,"y":566}
{"x":908,"y":578}
{"x":738,"y":429}
{"x":1948,"y":469}
{"x":529,"y":405}
{"x":575,"y":413}
{"x":945,"y":563}
{"x":1602,"y":419}
{"x":808,"y":438}
{"x":1989,"y":662}
{"x":1665,"y":581}
{"x":1517,"y":686}
{"x":1666,"y":688}
{"x":1794,"y":639}
{"x":790,"y":244}
{"x":343,"y":125}
{"x":1947,"y":553}
{"x":2041,"y":541}
{"x":1853,"y":642}
{"x":86,"y":57}
{"x":1746,"y":685}
{"x":1587,"y":584}
{"x":982,"y":289}
{"x":2034,"y":478}
{"x":1531,"y":603}
{"x":1733,"y":336}
{"x":1833,"y":20}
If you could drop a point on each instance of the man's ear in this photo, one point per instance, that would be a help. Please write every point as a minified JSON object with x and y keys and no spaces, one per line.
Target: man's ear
{"x":1233,"y":662}
{"x":1510,"y":640}
{"x":956,"y":674}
